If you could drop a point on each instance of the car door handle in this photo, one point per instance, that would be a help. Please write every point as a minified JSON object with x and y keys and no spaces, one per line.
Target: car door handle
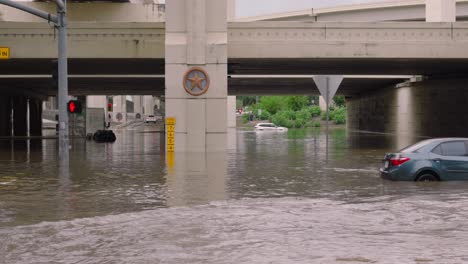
{"x":437,"y":160}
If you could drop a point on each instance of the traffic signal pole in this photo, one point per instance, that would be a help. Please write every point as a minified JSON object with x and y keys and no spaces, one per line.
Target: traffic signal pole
{"x":60,"y":21}
{"x":62,"y":79}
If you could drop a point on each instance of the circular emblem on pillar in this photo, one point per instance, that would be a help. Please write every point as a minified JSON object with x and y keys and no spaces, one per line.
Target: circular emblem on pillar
{"x":196,"y":81}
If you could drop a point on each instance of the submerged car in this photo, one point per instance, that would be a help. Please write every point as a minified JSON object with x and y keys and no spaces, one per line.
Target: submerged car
{"x":429,"y":160}
{"x":269,"y":127}
{"x":151,"y":119}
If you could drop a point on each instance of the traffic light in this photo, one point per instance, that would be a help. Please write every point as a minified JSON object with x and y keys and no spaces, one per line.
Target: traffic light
{"x":74,"y":107}
{"x":110,"y":103}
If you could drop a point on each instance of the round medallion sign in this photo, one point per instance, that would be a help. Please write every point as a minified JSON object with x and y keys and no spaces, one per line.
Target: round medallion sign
{"x":196,"y":81}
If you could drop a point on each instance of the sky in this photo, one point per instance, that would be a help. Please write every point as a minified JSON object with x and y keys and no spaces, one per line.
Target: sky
{"x":261,"y":7}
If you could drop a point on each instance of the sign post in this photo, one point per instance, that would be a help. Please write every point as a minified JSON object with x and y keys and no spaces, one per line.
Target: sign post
{"x":328,"y":86}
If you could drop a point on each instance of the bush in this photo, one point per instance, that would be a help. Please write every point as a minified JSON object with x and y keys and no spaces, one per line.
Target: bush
{"x":339,"y":116}
{"x":303,"y":114}
{"x":265,"y":115}
{"x":273,"y":104}
{"x":282,"y":119}
{"x":316,"y":124}
{"x":300,"y":123}
{"x":324,"y":115}
{"x":297,"y":103}
{"x":245,"y":118}
{"x":291,"y":115}
{"x":339,"y":101}
{"x":314,"y":110}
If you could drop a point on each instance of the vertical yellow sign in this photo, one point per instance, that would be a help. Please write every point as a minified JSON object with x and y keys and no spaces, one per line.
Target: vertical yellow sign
{"x":170,"y":134}
{"x":170,"y":142}
{"x":4,"y":53}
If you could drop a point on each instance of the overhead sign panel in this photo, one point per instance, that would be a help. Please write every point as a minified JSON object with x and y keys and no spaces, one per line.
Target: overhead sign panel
{"x":4,"y":53}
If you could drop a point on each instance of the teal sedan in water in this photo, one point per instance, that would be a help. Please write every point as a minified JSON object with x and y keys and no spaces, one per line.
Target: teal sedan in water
{"x":429,"y":160}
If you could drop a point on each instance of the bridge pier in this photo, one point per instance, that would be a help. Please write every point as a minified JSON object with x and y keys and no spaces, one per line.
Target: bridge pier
{"x":196,"y":51}
{"x":20,"y":116}
{"x":433,"y":108}
{"x":35,"y":117}
{"x":5,"y":116}
{"x":231,"y":111}
{"x":441,"y":10}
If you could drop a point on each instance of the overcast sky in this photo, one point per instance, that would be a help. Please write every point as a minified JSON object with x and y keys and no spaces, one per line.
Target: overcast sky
{"x":261,"y":7}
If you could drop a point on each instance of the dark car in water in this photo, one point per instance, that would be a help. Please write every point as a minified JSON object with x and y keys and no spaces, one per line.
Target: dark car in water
{"x":429,"y":160}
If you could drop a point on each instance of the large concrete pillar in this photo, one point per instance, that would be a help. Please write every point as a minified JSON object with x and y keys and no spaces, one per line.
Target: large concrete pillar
{"x":5,"y":116}
{"x":231,"y":112}
{"x":120,"y":109}
{"x":137,"y":104}
{"x":322,"y":103}
{"x":20,"y":116}
{"x":441,"y":10}
{"x":231,"y":10}
{"x":96,"y":101}
{"x":35,"y":117}
{"x":196,"y":73}
{"x":148,"y":105}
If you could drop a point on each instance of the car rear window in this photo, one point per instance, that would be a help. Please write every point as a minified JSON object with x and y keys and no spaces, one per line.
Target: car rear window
{"x":437,"y":150}
{"x":415,"y":147}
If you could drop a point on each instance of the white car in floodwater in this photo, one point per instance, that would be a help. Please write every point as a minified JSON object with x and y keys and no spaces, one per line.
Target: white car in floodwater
{"x":269,"y":127}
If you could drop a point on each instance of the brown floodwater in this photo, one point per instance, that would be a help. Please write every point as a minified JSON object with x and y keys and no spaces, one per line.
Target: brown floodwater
{"x":270,"y":198}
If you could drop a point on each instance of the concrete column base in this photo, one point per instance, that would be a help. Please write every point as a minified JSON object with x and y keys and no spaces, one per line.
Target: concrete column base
{"x":20,"y":116}
{"x":35,"y":117}
{"x":231,"y":111}
{"x":5,"y":116}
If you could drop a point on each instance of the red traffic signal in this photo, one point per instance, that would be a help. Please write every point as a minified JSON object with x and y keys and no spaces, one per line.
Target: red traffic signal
{"x":74,"y":107}
{"x":109,"y":107}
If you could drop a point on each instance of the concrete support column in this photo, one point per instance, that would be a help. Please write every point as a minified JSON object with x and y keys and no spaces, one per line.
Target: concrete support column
{"x":5,"y":116}
{"x":20,"y":116}
{"x":196,"y":37}
{"x":148,"y":105}
{"x":120,"y":108}
{"x":322,"y":103}
{"x":96,"y":101}
{"x":138,"y":104}
{"x":441,"y":10}
{"x":35,"y":117}
{"x":231,"y":10}
{"x":231,"y":111}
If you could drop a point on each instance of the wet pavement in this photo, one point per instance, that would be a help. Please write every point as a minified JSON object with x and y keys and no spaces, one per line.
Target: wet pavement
{"x":271,"y":198}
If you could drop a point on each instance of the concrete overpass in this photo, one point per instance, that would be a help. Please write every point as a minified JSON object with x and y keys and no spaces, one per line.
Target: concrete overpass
{"x":111,"y":58}
{"x":107,"y":53}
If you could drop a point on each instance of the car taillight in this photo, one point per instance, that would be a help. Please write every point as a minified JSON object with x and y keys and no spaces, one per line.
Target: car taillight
{"x":399,"y":161}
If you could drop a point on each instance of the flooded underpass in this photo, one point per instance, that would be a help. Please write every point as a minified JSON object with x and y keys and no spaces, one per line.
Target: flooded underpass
{"x":271,"y":198}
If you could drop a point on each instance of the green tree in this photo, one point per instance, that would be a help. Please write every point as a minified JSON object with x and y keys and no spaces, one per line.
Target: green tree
{"x":297,"y":103}
{"x":247,"y":100}
{"x":272,"y":104}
